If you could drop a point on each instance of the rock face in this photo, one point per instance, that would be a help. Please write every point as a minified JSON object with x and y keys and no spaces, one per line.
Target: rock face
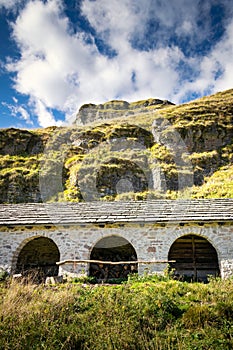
{"x":16,"y":142}
{"x":153,"y":149}
{"x":20,"y":153}
{"x":90,"y":112}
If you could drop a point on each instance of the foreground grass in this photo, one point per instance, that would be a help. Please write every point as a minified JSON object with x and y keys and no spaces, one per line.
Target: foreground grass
{"x":145,"y":314}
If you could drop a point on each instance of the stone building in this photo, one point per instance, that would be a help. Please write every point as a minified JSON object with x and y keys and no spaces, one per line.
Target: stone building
{"x":194,"y":236}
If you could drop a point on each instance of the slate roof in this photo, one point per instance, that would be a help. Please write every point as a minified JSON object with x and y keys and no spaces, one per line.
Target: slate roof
{"x":156,"y":211}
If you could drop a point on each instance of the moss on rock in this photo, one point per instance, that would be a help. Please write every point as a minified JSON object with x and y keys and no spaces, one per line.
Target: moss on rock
{"x":122,"y":152}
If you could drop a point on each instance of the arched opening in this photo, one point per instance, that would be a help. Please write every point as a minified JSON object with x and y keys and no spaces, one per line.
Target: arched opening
{"x":113,"y":248}
{"x":38,"y":259}
{"x":195,"y":258}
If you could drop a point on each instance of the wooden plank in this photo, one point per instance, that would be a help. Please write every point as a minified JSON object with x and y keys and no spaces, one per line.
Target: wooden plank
{"x":63,"y":262}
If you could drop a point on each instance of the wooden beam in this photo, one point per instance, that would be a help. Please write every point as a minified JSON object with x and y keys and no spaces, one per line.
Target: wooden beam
{"x":63,"y":262}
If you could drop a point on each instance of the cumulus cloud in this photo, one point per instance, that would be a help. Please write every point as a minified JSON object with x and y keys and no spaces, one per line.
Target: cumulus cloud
{"x":153,"y":47}
{"x":50,"y":57}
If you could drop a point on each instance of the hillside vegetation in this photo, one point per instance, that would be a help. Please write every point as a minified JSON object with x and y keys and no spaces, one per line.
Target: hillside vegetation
{"x":155,"y":150}
{"x":151,"y":313}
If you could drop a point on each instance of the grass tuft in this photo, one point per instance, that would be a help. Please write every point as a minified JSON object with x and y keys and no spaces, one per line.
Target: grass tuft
{"x":147,"y":312}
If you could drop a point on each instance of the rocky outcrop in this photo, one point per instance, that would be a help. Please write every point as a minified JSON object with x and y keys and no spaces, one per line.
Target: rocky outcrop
{"x":20,"y":155}
{"x":90,"y":112}
{"x":16,"y":142}
{"x":140,"y":152}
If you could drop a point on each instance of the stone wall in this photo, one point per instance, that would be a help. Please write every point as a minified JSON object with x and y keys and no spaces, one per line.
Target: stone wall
{"x":150,"y":241}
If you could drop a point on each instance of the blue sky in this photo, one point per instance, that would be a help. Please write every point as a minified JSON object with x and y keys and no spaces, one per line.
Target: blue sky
{"x":56,"y":55}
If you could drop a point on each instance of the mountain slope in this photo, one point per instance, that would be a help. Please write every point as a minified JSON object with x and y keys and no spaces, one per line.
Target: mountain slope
{"x":155,"y":150}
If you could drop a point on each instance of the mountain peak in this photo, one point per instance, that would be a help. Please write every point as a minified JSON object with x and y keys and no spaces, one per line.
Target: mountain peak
{"x":90,"y":112}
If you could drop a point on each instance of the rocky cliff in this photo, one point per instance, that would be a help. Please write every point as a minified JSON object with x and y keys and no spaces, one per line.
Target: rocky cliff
{"x":146,"y":149}
{"x":89,"y":113}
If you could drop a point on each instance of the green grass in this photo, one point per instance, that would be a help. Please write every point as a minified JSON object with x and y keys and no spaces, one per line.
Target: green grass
{"x":205,"y":125}
{"x":143,"y":313}
{"x":219,"y":185}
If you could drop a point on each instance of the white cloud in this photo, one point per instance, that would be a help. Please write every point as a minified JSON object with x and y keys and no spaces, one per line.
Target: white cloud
{"x":45,"y":118}
{"x":24,"y":114}
{"x":222,"y":57}
{"x":51,"y":58}
{"x":127,"y":21}
{"x":116,"y":22}
{"x":60,"y":69}
{"x":18,"y":111}
{"x":215,"y":70}
{"x":10,"y":4}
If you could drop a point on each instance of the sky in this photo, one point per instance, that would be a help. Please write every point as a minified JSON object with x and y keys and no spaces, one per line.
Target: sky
{"x":56,"y":55}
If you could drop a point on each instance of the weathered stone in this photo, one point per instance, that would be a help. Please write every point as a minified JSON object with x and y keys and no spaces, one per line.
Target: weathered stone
{"x":114,"y":109}
{"x":151,"y":241}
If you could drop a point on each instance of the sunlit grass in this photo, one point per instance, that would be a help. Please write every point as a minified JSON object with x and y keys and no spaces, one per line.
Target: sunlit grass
{"x":143,"y":313}
{"x":82,"y":146}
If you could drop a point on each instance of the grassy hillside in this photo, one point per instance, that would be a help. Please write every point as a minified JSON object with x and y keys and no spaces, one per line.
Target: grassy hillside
{"x":149,"y":313}
{"x":189,"y":154}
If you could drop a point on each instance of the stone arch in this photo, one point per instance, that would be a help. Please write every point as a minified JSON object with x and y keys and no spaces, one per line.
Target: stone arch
{"x":195,"y":258}
{"x":112,"y":248}
{"x":37,"y":256}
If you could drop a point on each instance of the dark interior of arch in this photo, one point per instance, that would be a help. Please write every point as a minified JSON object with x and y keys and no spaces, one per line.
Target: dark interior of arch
{"x":119,"y":176}
{"x":195,"y":258}
{"x":113,"y":248}
{"x":38,"y":258}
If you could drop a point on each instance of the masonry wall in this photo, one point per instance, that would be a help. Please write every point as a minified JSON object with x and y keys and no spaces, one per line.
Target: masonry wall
{"x":150,"y":241}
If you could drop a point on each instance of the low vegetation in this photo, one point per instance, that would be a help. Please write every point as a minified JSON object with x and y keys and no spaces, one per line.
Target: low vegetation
{"x":219,"y":185}
{"x":142,"y":313}
{"x":124,"y":148}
